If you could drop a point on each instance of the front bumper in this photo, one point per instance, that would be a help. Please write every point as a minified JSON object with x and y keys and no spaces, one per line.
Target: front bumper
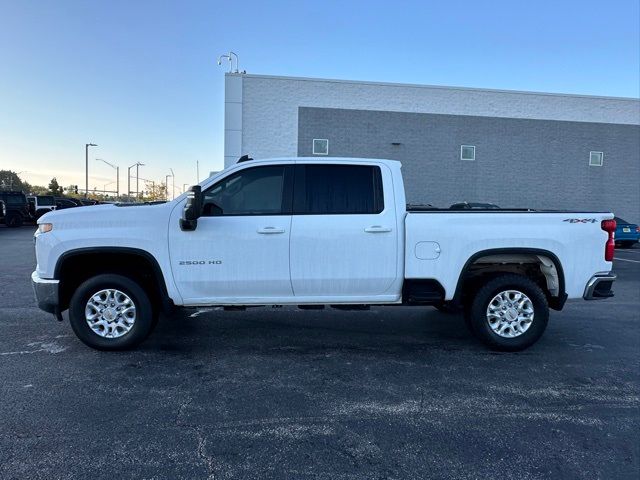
{"x":46,"y":292}
{"x":599,"y":286}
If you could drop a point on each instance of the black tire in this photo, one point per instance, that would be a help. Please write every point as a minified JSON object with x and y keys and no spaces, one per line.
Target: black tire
{"x":13,"y":220}
{"x":477,"y":313}
{"x":145,"y":317}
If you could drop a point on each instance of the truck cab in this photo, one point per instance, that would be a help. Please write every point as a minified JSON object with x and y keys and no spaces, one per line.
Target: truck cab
{"x":334,"y":238}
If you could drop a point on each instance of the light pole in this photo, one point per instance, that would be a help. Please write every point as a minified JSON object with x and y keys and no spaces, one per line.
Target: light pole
{"x":166,"y":186}
{"x":173,"y":184}
{"x":184,"y":187}
{"x":138,"y":180}
{"x":229,"y":57}
{"x":117,"y":174}
{"x":137,"y":164}
{"x":86,"y":167}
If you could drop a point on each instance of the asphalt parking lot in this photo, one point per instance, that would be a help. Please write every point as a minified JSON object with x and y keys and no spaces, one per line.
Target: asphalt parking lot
{"x":279,"y":393}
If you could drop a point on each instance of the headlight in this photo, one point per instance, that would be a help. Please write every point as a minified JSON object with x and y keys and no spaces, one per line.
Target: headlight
{"x":45,"y":227}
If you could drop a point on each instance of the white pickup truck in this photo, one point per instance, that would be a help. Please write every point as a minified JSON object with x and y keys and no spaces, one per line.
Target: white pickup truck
{"x":311,"y":232}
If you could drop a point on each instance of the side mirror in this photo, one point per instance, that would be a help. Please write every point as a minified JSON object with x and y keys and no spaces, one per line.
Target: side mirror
{"x":192,"y":209}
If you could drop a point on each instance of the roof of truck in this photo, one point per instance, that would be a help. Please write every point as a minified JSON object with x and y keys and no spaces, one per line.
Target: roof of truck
{"x":319,"y":159}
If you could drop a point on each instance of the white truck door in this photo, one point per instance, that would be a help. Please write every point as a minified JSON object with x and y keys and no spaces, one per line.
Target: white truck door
{"x":239,"y":252}
{"x":343,"y":233}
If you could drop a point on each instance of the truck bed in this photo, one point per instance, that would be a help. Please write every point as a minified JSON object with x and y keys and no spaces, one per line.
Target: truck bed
{"x":439,"y":246}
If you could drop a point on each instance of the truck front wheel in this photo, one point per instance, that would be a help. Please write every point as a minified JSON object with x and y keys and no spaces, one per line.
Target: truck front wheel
{"x":111,"y":312}
{"x":509,"y":313}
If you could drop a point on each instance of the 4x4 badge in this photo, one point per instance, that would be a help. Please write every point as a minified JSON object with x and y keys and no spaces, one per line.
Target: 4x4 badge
{"x":580,"y":220}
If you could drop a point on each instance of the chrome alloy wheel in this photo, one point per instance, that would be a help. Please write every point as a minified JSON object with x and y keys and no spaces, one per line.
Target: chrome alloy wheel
{"x":110,"y":313}
{"x":510,"y":313}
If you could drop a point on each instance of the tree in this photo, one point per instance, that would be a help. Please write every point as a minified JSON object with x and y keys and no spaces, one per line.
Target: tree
{"x":54,"y":188}
{"x":72,"y":191}
{"x":9,"y":180}
{"x":36,"y":189}
{"x":155,"y":191}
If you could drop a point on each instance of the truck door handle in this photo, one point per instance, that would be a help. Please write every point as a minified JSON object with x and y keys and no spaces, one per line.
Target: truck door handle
{"x":270,"y":230}
{"x":377,"y":229}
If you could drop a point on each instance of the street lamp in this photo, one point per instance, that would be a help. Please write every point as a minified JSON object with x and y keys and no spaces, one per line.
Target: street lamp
{"x":166,"y":186}
{"x":137,"y":165}
{"x":138,"y":180}
{"x":86,"y":165}
{"x":117,"y":174}
{"x":229,"y":57}
{"x":173,"y":185}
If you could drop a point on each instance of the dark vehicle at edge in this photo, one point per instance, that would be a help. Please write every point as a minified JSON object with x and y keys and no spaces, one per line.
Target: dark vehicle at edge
{"x":17,"y":208}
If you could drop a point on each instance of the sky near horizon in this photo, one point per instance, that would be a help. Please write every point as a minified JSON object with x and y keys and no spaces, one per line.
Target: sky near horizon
{"x":140,"y":79}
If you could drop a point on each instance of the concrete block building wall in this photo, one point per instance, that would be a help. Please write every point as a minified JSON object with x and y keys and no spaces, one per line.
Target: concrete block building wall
{"x":543,"y":137}
{"x":518,"y":162}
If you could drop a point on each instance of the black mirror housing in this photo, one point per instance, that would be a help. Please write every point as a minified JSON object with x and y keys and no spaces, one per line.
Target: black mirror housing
{"x":192,"y":209}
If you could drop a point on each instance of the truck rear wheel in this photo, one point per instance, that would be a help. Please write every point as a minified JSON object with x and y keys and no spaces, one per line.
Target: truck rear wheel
{"x":509,"y":313}
{"x":111,"y":312}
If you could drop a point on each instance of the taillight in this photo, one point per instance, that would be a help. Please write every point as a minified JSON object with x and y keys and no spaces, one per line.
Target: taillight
{"x":638,"y":229}
{"x":609,"y":226}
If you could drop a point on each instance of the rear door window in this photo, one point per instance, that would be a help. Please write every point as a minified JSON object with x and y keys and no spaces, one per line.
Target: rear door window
{"x":337,"y":190}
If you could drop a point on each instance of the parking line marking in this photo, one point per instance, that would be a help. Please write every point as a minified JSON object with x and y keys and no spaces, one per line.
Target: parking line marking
{"x":626,"y":260}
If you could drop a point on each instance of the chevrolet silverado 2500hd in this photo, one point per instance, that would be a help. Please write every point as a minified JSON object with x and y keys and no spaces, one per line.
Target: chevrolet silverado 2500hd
{"x":313,"y":232}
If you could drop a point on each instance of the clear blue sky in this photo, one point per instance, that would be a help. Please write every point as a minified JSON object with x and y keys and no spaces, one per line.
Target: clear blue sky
{"x":140,"y":77}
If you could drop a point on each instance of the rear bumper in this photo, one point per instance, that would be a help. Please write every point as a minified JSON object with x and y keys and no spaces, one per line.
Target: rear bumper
{"x":633,"y":234}
{"x":599,"y":286}
{"x":627,"y":238}
{"x":46,"y":292}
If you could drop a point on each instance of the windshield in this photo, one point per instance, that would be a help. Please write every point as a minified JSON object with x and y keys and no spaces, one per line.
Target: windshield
{"x":46,"y":201}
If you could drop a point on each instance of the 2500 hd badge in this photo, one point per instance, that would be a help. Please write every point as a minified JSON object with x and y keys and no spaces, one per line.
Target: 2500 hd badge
{"x":200,"y":262}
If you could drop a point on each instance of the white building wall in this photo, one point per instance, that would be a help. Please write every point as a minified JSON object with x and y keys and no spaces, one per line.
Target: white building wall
{"x":232,"y":118}
{"x":261,"y":112}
